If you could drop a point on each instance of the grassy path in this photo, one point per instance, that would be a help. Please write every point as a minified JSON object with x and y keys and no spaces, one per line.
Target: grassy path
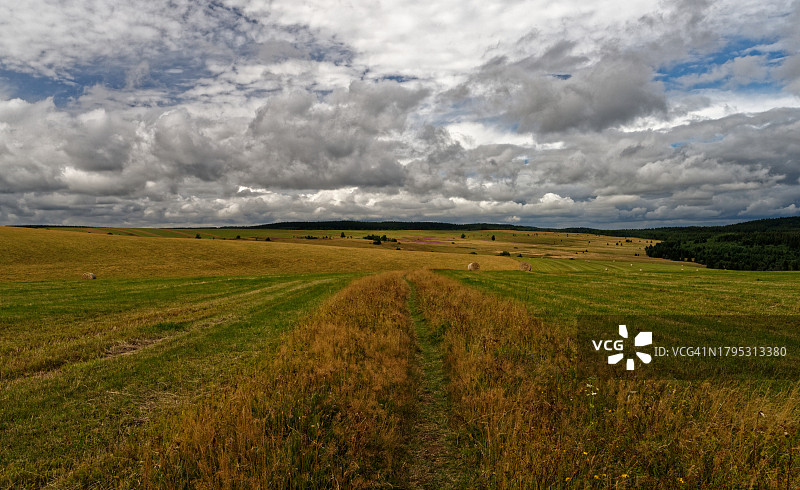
{"x":434,"y":457}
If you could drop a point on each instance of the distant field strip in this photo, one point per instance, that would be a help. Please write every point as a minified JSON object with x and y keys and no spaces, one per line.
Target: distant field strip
{"x":123,"y":351}
{"x":555,"y":265}
{"x":40,"y":255}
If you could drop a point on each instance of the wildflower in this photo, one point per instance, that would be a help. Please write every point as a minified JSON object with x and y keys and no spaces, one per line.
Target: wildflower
{"x":567,"y":479}
{"x":624,"y":475}
{"x":585,"y":452}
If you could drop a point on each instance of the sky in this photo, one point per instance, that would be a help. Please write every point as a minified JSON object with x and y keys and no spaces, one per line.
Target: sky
{"x":237,"y":112}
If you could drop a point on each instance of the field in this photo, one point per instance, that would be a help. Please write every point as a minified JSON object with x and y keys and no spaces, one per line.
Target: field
{"x":335,"y":362}
{"x":36,"y":255}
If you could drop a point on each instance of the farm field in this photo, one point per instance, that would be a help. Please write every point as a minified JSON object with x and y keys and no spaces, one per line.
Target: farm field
{"x":321,"y":363}
{"x":525,"y":245}
{"x":86,"y":363}
{"x":38,"y":254}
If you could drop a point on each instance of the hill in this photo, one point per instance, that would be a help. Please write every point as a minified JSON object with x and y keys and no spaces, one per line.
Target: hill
{"x":768,"y":244}
{"x":36,"y":254}
{"x":765,"y":244}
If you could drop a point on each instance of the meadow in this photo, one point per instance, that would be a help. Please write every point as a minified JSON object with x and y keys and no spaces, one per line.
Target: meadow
{"x":335,"y":363}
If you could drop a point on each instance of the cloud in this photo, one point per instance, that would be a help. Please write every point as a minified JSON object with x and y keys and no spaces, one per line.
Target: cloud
{"x":741,"y":71}
{"x":239,"y":112}
{"x":611,"y":92}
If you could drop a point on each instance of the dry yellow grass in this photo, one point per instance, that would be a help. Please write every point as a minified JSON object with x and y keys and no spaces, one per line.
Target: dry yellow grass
{"x":327,"y":411}
{"x":529,"y":422}
{"x":37,"y":254}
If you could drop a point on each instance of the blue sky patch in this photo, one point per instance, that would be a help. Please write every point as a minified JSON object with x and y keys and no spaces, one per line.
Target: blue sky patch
{"x":398,"y":78}
{"x":705,"y":64}
{"x":690,"y":141}
{"x":173,"y":77}
{"x":33,"y":89}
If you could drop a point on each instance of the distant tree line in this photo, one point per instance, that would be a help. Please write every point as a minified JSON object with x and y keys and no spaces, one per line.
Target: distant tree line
{"x":764,"y":245}
{"x":377,"y":240}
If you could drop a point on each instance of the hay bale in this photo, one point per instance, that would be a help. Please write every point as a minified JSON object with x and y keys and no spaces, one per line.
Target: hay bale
{"x":524,"y":266}
{"x":89,"y":275}
{"x":473,"y":266}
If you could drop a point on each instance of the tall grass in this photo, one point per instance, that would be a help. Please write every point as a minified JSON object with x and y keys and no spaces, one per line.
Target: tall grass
{"x":327,"y":411}
{"x":527,"y":421}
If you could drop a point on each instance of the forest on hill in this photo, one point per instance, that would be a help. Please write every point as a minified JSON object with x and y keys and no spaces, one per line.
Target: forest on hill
{"x":770,"y":244}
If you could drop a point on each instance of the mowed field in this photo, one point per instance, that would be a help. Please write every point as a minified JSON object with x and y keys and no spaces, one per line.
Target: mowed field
{"x":336,"y":363}
{"x":39,"y":254}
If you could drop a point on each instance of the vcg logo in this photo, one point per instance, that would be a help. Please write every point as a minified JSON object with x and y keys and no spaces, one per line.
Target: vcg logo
{"x":641,"y":340}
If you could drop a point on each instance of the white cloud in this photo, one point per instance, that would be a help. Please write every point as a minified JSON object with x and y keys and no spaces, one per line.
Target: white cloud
{"x":472,"y":134}
{"x":554,"y":200}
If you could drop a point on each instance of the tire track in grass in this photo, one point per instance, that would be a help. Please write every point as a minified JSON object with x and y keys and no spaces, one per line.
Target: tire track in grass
{"x":434,"y":461}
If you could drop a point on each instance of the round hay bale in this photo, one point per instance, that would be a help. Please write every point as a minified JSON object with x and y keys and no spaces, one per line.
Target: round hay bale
{"x":524,"y":266}
{"x":473,"y":266}
{"x":89,"y":275}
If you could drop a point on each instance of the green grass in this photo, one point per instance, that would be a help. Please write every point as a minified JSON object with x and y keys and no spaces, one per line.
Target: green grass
{"x":88,"y":390}
{"x":328,"y":410}
{"x":47,"y":324}
{"x":184,"y":352}
{"x":435,"y":460}
{"x":661,"y":288}
{"x":530,"y":420}
{"x":683,"y":308}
